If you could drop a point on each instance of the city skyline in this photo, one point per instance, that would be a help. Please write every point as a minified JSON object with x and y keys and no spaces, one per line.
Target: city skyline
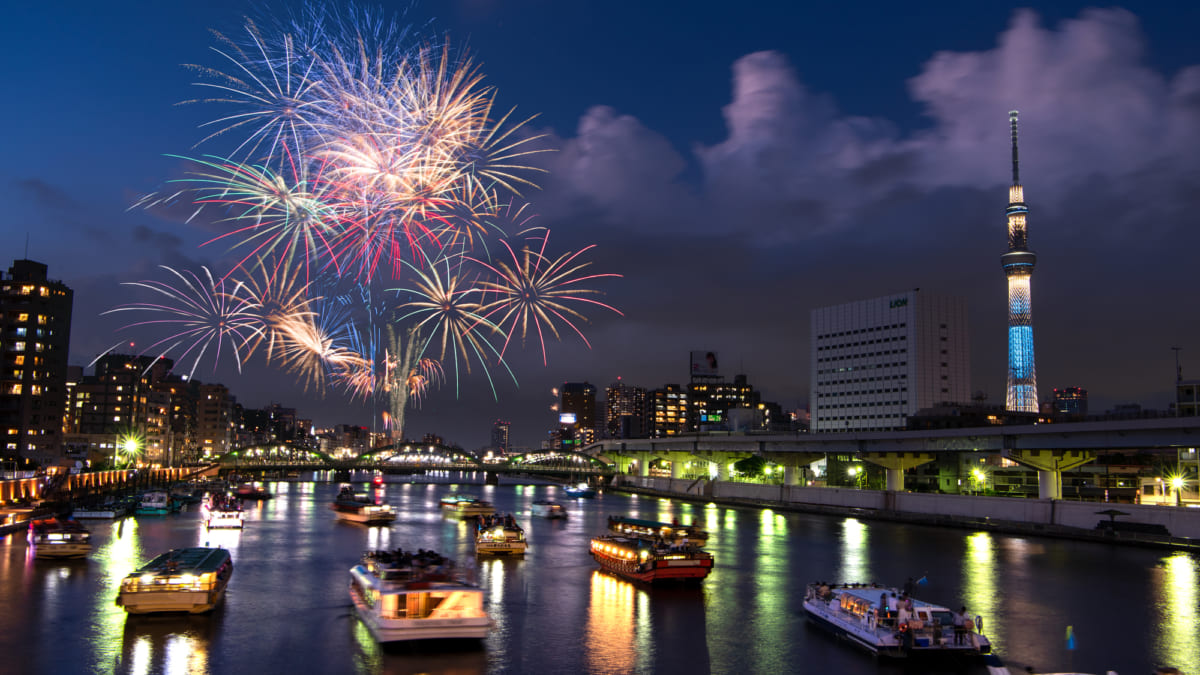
{"x":734,"y":189}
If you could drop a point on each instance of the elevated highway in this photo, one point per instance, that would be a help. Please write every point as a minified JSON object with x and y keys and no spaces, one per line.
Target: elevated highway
{"x":1050,"y":449}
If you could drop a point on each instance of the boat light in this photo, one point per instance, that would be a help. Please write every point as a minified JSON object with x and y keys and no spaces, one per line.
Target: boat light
{"x":147,"y":578}
{"x":188,"y":578}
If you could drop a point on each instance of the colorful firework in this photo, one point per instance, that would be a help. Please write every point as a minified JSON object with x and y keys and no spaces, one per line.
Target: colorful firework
{"x":361,"y":198}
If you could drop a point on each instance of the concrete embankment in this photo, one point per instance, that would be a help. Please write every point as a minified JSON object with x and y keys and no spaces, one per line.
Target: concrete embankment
{"x":1130,"y":524}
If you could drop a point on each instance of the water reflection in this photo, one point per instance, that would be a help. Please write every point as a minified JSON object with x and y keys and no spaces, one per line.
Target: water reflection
{"x":610,"y":635}
{"x":372,"y":659}
{"x":1176,"y":641}
{"x":855,"y":564}
{"x":119,"y":556}
{"x":980,"y":592}
{"x":771,"y":597}
{"x":169,"y":644}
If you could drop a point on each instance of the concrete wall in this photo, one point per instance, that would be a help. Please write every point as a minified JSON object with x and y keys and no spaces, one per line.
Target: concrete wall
{"x":1180,"y":522}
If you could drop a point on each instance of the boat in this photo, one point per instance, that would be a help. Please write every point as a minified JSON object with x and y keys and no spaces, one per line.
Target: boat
{"x":59,"y":538}
{"x":403,"y":596}
{"x":856,"y":612}
{"x":156,"y":503}
{"x":649,"y":561}
{"x":499,"y":536}
{"x":671,"y":533}
{"x":191,"y":580}
{"x":223,"y":511}
{"x":583,"y":490}
{"x":548,"y":508}
{"x":466,"y":507}
{"x":251,"y":491}
{"x":361,"y":508}
{"x":110,"y":510}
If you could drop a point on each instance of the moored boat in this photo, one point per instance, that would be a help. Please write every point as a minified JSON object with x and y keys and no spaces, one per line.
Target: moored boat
{"x":156,"y":503}
{"x":548,"y":508}
{"x":499,"y":536}
{"x":649,"y":561}
{"x":403,"y":596}
{"x":252,"y":491}
{"x":466,"y":507}
{"x":886,"y":622}
{"x":582,"y":490}
{"x":357,"y":507}
{"x":59,"y":538}
{"x":671,"y":533}
{"x":223,"y":511}
{"x":110,"y":510}
{"x":189,"y":580}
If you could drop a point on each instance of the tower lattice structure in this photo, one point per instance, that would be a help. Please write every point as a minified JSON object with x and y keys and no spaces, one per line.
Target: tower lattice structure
{"x":1018,"y":265}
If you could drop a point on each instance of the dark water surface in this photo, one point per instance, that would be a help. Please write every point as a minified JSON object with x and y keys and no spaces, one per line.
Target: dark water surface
{"x":287,"y":608}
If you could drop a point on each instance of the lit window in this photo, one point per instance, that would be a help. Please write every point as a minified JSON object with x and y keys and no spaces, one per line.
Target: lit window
{"x":18,"y":346}
{"x":22,"y":317}
{"x":26,"y":290}
{"x":14,"y":389}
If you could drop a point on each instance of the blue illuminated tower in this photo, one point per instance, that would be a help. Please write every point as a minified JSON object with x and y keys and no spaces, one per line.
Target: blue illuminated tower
{"x":1018,"y":266}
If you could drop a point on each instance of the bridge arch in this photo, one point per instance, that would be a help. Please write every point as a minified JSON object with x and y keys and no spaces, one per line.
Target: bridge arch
{"x":566,"y":459}
{"x":273,"y":453}
{"x":418,"y":453}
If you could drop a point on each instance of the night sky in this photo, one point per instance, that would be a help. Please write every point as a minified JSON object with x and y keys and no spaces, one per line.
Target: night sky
{"x":739,"y":164}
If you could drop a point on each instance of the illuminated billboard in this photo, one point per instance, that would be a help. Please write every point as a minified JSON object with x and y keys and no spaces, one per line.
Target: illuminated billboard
{"x":566,"y":418}
{"x":704,"y":363}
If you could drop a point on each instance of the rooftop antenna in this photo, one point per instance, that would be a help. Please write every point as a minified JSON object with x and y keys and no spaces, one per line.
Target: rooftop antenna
{"x":1012,"y":120}
{"x":1178,"y":368}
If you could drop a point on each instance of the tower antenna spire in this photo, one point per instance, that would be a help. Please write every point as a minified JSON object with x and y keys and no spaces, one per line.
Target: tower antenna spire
{"x":1012,"y":121}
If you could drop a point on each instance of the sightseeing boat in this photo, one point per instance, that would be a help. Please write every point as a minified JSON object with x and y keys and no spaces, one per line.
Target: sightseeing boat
{"x":582,"y":490}
{"x":858,"y":613}
{"x":548,"y":508}
{"x":464,"y":506}
{"x":650,"y":561}
{"x":671,"y":533}
{"x":109,"y":510}
{"x":403,"y":596}
{"x":357,"y":507}
{"x":191,"y":580}
{"x":156,"y":503}
{"x":499,"y":536}
{"x":59,"y":538}
{"x":223,"y":511}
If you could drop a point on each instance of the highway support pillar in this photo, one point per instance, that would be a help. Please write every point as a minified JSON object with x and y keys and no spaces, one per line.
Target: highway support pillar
{"x":1050,"y":464}
{"x":643,"y":460}
{"x":894,"y":464}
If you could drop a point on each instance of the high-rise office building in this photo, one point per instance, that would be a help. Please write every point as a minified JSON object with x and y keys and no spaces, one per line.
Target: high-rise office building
{"x":624,"y":410}
{"x":35,"y":335}
{"x":214,"y":420}
{"x":500,"y":429}
{"x":1071,"y":401}
{"x":667,"y":411}
{"x":578,"y":400}
{"x":876,"y":362}
{"x":1018,"y":265}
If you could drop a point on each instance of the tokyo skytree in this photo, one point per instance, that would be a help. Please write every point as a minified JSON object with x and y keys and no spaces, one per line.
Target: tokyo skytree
{"x":1018,"y":267}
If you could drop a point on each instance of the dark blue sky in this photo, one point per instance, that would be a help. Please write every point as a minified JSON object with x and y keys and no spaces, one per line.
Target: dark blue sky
{"x":739,"y":165}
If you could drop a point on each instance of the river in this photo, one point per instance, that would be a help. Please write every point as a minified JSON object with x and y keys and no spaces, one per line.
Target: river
{"x":287,"y":609}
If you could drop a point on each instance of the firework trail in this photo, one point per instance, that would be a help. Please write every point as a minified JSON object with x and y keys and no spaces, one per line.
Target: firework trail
{"x":362,"y":195}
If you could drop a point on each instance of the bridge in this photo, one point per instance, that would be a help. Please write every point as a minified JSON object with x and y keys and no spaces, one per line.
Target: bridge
{"x":1049,"y":449}
{"x":410,"y":458}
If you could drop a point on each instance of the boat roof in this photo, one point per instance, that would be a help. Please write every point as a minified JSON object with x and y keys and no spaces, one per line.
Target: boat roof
{"x":197,"y":559}
{"x":871,"y":595}
{"x":653,"y":523}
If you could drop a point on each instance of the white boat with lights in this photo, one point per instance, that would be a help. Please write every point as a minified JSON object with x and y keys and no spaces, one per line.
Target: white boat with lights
{"x":223,"y":511}
{"x":548,"y":508}
{"x":464,"y":506}
{"x":403,"y":596}
{"x":59,"y":538}
{"x":856,"y":612}
{"x":499,"y":536}
{"x":357,"y":507}
{"x":580,"y":491}
{"x":191,"y":580}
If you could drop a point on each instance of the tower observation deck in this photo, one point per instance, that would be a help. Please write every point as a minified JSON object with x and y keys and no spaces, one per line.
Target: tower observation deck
{"x":1018,"y":265}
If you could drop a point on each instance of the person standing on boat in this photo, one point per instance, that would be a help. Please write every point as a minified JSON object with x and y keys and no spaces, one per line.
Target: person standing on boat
{"x":960,"y":626}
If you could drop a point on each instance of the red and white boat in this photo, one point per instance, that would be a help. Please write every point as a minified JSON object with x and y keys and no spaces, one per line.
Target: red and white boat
{"x":651,"y":562}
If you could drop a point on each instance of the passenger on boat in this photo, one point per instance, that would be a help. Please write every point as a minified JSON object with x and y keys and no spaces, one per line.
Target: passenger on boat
{"x":960,"y":626}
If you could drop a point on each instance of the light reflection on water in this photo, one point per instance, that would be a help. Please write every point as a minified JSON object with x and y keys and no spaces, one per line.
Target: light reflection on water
{"x":855,"y":561}
{"x":980,"y":589}
{"x":1178,"y":642}
{"x":611,"y":625}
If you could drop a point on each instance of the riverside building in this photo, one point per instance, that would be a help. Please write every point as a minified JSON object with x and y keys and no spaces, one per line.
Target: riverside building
{"x":876,"y":362}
